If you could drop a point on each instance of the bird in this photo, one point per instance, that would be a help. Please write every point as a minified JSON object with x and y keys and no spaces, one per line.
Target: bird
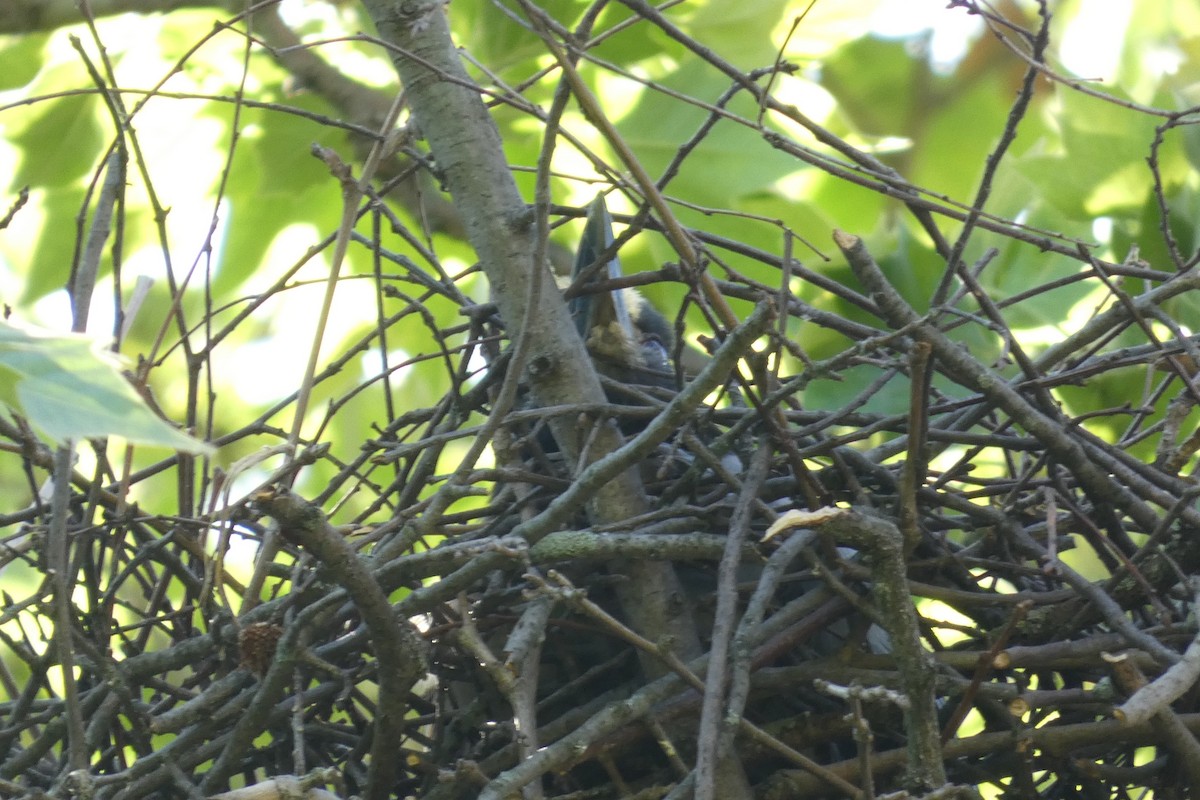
{"x":629,"y":340}
{"x":629,"y":343}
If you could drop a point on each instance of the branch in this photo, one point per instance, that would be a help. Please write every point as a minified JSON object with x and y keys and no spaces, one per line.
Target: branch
{"x":883,"y":544}
{"x":398,"y":646}
{"x":959,"y":365}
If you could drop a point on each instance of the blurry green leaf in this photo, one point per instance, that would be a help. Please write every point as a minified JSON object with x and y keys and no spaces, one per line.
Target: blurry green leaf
{"x":740,"y":32}
{"x":1190,"y":135}
{"x":849,"y":206}
{"x":20,"y":59}
{"x":635,"y":44}
{"x":276,"y":183}
{"x":1183,"y":203}
{"x":500,"y":42}
{"x":68,"y":388}
{"x":1103,"y":168}
{"x":875,"y":81}
{"x":1150,"y":27}
{"x":730,"y":161}
{"x":50,"y":258}
{"x":956,"y":134}
{"x":59,"y":139}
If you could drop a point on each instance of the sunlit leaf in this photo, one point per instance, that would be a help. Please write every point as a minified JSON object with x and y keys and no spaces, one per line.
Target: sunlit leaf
{"x":877,"y":82}
{"x":68,"y":129}
{"x":68,"y":388}
{"x":20,"y":59}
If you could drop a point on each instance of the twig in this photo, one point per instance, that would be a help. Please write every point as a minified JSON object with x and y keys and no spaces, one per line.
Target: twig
{"x":884,"y":545}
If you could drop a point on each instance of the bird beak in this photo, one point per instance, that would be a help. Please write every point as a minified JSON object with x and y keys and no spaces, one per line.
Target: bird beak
{"x":603,"y":319}
{"x":627,"y":337}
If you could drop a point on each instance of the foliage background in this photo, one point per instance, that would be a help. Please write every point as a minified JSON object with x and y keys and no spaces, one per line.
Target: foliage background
{"x":244,"y":210}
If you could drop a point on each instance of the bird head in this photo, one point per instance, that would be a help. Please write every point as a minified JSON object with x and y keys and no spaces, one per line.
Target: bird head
{"x":627,"y":337}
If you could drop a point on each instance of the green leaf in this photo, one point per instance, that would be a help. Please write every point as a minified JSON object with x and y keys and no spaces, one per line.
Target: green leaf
{"x":66,"y":127}
{"x":878,"y":84}
{"x":728,"y":163}
{"x":20,"y":59}
{"x":498,"y":41}
{"x":742,"y":32}
{"x":68,"y":388}
{"x":1102,"y":166}
{"x":50,"y":248}
{"x":274,"y":183}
